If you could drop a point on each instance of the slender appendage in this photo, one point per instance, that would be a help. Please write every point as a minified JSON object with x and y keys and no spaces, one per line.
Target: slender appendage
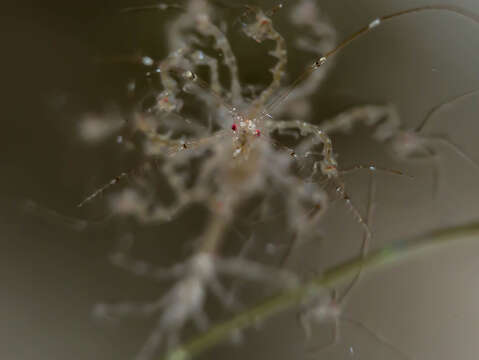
{"x":320,"y":61}
{"x":366,"y":240}
{"x":412,"y":145}
{"x":57,"y":218}
{"x":444,"y":140}
{"x":328,"y":163}
{"x":374,"y":168}
{"x":438,"y":108}
{"x":167,"y":146}
{"x":234,"y":164}
{"x":332,"y":310}
{"x":307,"y":14}
{"x":352,"y":208}
{"x":161,"y":145}
{"x":103,"y":188}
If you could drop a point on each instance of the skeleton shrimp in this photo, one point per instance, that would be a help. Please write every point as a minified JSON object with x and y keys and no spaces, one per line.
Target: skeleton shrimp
{"x":238,"y":154}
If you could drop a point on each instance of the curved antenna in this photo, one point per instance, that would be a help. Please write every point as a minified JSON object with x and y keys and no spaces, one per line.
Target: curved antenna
{"x":71,"y":222}
{"x":444,"y":139}
{"x":441,"y":106}
{"x":365,"y":29}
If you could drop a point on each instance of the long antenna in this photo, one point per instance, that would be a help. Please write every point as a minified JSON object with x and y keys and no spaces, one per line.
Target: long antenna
{"x":365,"y":29}
{"x":441,"y":106}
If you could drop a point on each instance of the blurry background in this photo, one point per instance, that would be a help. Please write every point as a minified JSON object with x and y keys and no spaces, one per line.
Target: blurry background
{"x":54,"y":270}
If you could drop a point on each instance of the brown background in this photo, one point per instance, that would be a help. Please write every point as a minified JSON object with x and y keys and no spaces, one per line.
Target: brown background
{"x":52,"y":274}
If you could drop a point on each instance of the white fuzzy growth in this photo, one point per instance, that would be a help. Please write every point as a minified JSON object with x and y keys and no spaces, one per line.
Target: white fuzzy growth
{"x":127,"y":202}
{"x":374,"y":23}
{"x":203,"y":266}
{"x":184,"y":300}
{"x":305,"y":13}
{"x":94,"y":128}
{"x":325,"y":312}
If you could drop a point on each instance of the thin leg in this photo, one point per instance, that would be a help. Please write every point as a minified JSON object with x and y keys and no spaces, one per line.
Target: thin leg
{"x":372,"y":167}
{"x":366,"y":239}
{"x":431,"y":154}
{"x":321,"y":61}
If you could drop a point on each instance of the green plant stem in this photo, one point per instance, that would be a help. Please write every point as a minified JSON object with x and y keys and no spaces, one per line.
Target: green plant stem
{"x":331,"y":277}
